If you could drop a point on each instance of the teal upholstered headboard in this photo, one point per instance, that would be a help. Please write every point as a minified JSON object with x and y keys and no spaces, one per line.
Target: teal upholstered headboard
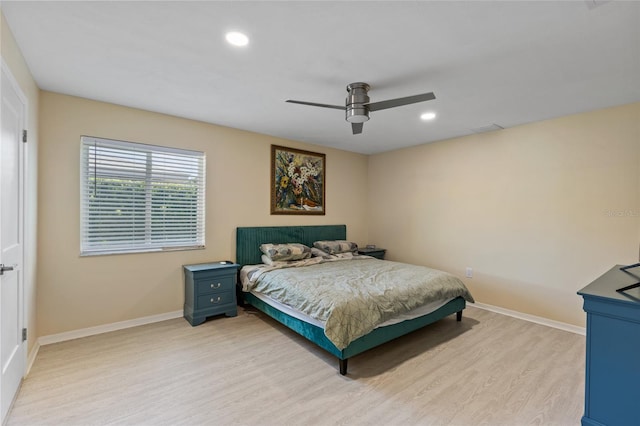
{"x":248,"y":239}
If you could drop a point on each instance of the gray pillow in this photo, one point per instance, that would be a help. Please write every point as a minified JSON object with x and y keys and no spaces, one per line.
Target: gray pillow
{"x":293,"y":251}
{"x":336,"y":246}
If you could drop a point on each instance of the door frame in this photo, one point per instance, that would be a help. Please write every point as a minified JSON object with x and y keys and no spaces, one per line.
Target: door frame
{"x":6,"y":70}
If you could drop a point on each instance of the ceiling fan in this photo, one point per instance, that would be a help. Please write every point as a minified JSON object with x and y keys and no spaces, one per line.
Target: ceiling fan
{"x":357,"y":106}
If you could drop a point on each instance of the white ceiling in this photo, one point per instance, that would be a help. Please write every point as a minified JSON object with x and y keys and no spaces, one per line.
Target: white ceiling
{"x":506,"y":63}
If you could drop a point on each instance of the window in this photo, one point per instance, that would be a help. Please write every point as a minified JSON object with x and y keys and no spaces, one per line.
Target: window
{"x":137,"y":197}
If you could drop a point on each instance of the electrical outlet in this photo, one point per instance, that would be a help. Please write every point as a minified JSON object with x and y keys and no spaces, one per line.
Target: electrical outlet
{"x":469,"y":273}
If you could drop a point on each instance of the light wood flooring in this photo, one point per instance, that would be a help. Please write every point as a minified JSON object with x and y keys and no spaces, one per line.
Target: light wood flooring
{"x":489,"y":369}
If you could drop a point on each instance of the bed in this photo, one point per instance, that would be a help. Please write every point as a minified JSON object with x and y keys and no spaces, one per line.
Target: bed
{"x":248,"y":242}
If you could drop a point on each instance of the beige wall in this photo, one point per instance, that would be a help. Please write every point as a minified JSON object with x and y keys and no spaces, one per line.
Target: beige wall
{"x":12,"y":57}
{"x":538,"y":211}
{"x":77,"y":292}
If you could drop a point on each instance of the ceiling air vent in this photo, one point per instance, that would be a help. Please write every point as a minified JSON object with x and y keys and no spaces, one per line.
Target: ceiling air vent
{"x":489,"y":128}
{"x":592,"y":4}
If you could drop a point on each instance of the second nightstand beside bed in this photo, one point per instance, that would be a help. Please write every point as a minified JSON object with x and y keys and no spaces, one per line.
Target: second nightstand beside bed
{"x":376,"y":252}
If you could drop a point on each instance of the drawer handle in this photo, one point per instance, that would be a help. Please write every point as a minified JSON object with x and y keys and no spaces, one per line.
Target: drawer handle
{"x":218,"y":285}
{"x":215,"y":300}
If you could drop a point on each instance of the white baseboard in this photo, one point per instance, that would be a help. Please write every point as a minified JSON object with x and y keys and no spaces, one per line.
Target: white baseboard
{"x":91,"y":331}
{"x":531,"y":318}
{"x":31,"y":357}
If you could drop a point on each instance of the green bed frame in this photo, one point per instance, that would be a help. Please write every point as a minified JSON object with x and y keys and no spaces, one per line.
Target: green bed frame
{"x":248,"y":240}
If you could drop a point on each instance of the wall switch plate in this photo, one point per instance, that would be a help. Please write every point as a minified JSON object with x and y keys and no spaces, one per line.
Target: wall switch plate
{"x":469,"y":272}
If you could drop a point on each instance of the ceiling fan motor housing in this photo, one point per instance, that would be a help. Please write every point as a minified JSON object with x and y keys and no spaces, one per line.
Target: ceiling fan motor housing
{"x":357,"y":98}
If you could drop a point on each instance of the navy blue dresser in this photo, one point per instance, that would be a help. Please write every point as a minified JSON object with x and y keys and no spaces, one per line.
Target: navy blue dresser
{"x":209,"y":289}
{"x":612,"y":380}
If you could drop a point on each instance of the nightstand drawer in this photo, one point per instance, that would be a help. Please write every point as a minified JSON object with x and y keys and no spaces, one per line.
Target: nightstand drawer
{"x":215,"y":284}
{"x":215,"y":299}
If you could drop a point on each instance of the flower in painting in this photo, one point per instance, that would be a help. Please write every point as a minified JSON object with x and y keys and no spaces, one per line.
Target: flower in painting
{"x":284,"y":181}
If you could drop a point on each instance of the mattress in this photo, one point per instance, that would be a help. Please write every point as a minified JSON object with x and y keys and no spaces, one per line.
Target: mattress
{"x":415,"y":313}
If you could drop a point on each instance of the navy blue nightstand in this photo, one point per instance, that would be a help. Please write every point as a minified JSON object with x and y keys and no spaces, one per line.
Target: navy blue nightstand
{"x":209,"y":289}
{"x":376,"y":252}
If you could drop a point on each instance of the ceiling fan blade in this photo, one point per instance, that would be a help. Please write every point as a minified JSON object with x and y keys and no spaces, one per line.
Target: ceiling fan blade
{"x":316,"y":104}
{"x":377,"y":106}
{"x":357,"y":128}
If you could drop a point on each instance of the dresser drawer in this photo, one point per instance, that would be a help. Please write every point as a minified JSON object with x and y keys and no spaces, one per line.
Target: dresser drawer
{"x":215,"y":284}
{"x":215,"y":299}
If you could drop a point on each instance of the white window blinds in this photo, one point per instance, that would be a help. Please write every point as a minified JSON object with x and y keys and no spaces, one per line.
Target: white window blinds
{"x":136,"y":197}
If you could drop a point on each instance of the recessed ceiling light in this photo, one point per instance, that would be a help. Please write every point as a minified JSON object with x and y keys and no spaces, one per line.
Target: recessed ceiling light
{"x":428,"y":116}
{"x":237,"y":39}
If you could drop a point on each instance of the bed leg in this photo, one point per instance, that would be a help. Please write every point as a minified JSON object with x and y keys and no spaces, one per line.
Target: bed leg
{"x":459,"y":316}
{"x":343,"y":366}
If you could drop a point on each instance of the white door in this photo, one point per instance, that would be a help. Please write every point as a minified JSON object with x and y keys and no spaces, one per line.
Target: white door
{"x":12,"y":348}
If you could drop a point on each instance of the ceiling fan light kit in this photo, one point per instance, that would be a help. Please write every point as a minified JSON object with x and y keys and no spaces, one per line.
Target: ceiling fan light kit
{"x":358,"y":105}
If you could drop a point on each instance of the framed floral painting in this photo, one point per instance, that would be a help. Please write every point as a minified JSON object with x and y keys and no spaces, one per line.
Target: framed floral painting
{"x":297,"y":181}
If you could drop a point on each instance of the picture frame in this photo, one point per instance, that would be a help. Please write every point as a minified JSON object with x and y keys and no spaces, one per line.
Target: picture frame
{"x":297,"y":181}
